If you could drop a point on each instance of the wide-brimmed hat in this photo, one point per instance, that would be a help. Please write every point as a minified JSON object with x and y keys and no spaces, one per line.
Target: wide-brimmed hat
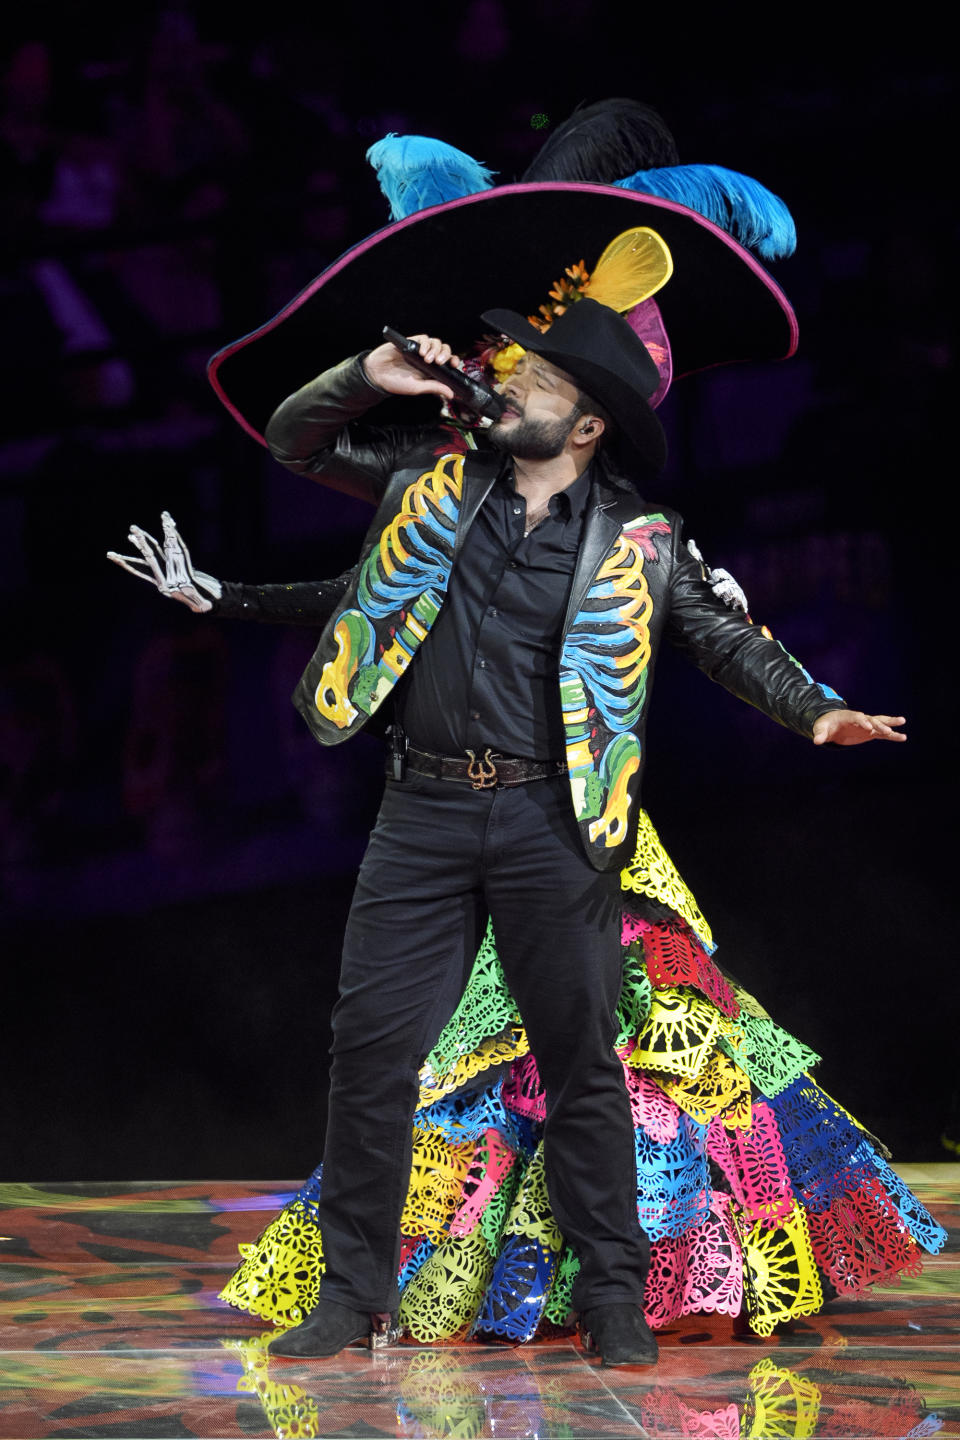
{"x":596,"y":346}
{"x":438,"y":270}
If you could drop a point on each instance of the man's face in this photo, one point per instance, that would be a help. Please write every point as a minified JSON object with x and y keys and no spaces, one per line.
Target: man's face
{"x":541,"y":410}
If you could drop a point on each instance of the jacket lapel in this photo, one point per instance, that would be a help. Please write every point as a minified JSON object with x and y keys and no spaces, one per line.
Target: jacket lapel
{"x":480,"y":470}
{"x":608,"y":510}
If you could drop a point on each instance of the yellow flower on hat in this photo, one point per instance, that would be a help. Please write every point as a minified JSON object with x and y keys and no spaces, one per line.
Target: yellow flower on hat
{"x":505,"y":361}
{"x":634,"y":266}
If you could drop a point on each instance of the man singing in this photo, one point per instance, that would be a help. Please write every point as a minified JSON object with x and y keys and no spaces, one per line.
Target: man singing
{"x":506,"y":613}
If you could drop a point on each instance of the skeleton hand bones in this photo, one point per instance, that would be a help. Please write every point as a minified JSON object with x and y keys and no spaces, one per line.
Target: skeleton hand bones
{"x":168,"y":567}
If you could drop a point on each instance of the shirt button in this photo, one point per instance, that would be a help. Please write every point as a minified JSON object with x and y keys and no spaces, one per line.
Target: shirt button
{"x":517,"y":510}
{"x":494,"y":611}
{"x":482,"y":664}
{"x":474,"y":714}
{"x":512,"y":565}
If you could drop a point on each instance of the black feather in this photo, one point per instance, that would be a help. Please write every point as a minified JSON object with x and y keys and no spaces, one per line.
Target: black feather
{"x":604,"y":142}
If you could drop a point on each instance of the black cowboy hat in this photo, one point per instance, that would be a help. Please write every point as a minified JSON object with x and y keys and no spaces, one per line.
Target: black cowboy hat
{"x":599,"y":350}
{"x":438,"y":270}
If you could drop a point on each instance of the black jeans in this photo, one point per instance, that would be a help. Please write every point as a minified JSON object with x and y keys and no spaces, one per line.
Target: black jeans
{"x":441,"y":857}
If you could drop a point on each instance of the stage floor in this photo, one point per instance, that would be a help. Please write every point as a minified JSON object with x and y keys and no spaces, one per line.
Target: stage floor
{"x":110,"y":1326}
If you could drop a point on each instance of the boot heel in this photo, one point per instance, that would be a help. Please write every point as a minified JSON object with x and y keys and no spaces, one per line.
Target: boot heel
{"x":619,"y":1334}
{"x":384,"y":1331}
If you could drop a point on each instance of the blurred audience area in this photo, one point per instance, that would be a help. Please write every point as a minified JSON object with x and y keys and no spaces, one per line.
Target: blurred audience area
{"x":174,"y":174}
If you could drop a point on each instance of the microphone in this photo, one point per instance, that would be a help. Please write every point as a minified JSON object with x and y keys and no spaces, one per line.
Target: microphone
{"x":466,"y":391}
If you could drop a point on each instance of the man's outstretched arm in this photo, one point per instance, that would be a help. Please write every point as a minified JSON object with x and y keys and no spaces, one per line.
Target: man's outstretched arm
{"x":169,"y":568}
{"x":710,"y":624}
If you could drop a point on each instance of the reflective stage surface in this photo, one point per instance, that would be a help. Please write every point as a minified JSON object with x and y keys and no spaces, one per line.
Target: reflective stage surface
{"x":110,"y":1326}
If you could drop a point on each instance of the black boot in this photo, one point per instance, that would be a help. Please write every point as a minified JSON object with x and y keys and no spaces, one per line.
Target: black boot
{"x":619,"y":1334}
{"x":330,"y":1328}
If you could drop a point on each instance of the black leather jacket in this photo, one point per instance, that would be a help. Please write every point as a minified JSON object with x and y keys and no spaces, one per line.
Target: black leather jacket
{"x":634,"y":584}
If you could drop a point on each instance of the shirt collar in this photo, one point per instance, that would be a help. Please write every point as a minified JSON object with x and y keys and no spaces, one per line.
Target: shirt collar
{"x":576,"y":495}
{"x":569,"y":504}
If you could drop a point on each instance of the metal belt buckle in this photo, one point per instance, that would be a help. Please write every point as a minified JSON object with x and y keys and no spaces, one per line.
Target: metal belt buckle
{"x":482,"y":773}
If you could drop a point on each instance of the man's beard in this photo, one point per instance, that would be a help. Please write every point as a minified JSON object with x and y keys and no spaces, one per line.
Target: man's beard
{"x":533,"y":439}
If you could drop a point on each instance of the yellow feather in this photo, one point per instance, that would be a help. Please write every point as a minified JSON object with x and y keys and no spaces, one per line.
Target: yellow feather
{"x":633,"y":267}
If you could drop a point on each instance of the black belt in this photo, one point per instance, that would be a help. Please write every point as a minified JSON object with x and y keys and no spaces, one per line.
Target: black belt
{"x":483,"y":772}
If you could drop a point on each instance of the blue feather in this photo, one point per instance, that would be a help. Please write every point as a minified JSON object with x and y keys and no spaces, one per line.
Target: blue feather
{"x":414,"y":171}
{"x":741,"y":206}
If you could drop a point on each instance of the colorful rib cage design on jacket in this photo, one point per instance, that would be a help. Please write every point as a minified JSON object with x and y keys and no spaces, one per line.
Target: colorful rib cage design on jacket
{"x":604,"y":658}
{"x":402,"y":581}
{"x":603,"y":682}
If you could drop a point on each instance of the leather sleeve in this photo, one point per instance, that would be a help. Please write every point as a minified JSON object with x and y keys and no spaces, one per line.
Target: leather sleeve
{"x":738,"y":654}
{"x":315,"y":432}
{"x":308,"y":602}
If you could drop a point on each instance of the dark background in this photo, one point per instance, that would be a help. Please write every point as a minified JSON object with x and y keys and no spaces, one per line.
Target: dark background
{"x":177,"y":853}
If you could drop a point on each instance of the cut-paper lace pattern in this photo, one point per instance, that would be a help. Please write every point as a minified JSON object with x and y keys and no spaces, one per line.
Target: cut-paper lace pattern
{"x":288,"y":1409}
{"x":917,"y":1218}
{"x":856,"y":1417}
{"x":929,"y":1425}
{"x":755,"y":1166}
{"x":498,"y":1050}
{"x":482,"y":1250}
{"x":651,"y":1109}
{"x":720,"y":1089}
{"x":492,"y":1163}
{"x":699,"y":1271}
{"x":631,"y":926}
{"x":309,"y":1192}
{"x":861,"y":1241}
{"x":826,"y":1155}
{"x":714,"y":1274}
{"x":437,"y":1397}
{"x":514,"y":1303}
{"x":436,"y":1181}
{"x":442,"y":1298}
{"x":495,"y":1215}
{"x":522,"y":1091}
{"x":279,"y":1275}
{"x":486,"y":1010}
{"x":678,"y":1035}
{"x":530,"y":1213}
{"x":663,"y":1413}
{"x":674,"y":956}
{"x":560,"y":1300}
{"x":673,"y":1180}
{"x":413,"y":1252}
{"x":635,"y":995}
{"x":780,"y":1279}
{"x":770,"y":1055}
{"x":781,"y":1405}
{"x":652,"y":872}
{"x":525,"y":1134}
{"x":460,"y":1118}
{"x":711,"y":1424}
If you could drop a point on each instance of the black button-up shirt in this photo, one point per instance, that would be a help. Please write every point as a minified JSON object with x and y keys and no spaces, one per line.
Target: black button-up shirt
{"x":487,"y":674}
